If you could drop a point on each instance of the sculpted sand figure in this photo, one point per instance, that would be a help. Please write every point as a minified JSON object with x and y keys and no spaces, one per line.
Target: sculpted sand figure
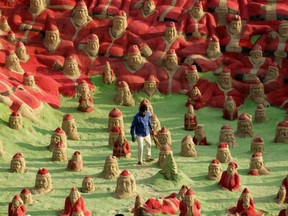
{"x":124,"y":96}
{"x":190,"y":205}
{"x":113,"y":135}
{"x":257,"y":93}
{"x":108,"y":74}
{"x":163,"y":154}
{"x":150,"y":85}
{"x":164,"y":136}
{"x":156,"y":125}
{"x":121,"y":146}
{"x":16,"y":207}
{"x":59,"y":152}
{"x":244,"y":126}
{"x":126,"y":185}
{"x":12,"y":62}
{"x":111,"y":169}
{"x":200,"y":137}
{"x":260,"y":114}
{"x":43,"y":182}
{"x":73,"y":202}
{"x":230,"y":110}
{"x":190,"y":118}
{"x":26,"y":196}
{"x":227,"y":135}
{"x":15,"y":121}
{"x":170,"y":170}
{"x":58,"y":135}
{"x":18,"y":163}
{"x":188,"y":147}
{"x":230,"y":179}
{"x":21,"y":52}
{"x":214,"y":170}
{"x":76,"y":162}
{"x":88,"y":185}
{"x":257,"y":144}
{"x":281,"y":134}
{"x":70,"y":127}
{"x":257,"y":165}
{"x":85,"y":99}
{"x":223,"y":153}
{"x":115,"y":119}
{"x":282,"y":195}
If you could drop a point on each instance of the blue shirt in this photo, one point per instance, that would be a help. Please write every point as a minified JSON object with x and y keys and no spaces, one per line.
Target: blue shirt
{"x":141,"y":125}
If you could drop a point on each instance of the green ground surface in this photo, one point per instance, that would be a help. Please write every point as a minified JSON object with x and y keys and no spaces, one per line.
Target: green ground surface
{"x":33,"y":140}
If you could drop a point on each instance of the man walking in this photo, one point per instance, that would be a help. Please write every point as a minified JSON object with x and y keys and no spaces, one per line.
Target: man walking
{"x":142,"y":126}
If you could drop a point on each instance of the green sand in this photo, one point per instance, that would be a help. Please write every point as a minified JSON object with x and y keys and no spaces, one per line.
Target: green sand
{"x":33,"y":140}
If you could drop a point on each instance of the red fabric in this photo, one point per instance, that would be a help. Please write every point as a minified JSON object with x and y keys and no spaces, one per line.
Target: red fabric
{"x":69,"y":208}
{"x":230,"y":183}
{"x":196,"y":208}
{"x":121,"y":149}
{"x":20,"y":211}
{"x":88,"y":64}
{"x":279,"y":97}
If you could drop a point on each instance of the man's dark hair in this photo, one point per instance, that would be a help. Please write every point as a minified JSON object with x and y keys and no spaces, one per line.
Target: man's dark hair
{"x":143,"y":108}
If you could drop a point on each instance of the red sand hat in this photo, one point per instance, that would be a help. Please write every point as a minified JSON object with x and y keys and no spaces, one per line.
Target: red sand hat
{"x":59,"y":131}
{"x":164,"y":130}
{"x":115,"y":113}
{"x":187,"y":137}
{"x":68,"y":117}
{"x":42,"y":171}
{"x":244,"y":117}
{"x":111,"y":159}
{"x":282,"y":125}
{"x":133,"y":50}
{"x":76,"y":153}
{"x":170,"y":24}
{"x":146,"y":102}
{"x":25,"y":191}
{"x":215,"y":162}
{"x":258,"y":140}
{"x":226,"y":127}
{"x":223,"y":145}
{"x":165,"y":148}
{"x":93,"y":37}
{"x":214,"y":39}
{"x":80,"y":4}
{"x":171,"y":52}
{"x":256,"y":48}
{"x":257,"y":155}
{"x":245,"y":191}
{"x":18,"y":155}
{"x":234,"y":164}
{"x":125,"y":173}
{"x":122,"y":84}
{"x":189,"y":192}
{"x":115,"y":129}
{"x":15,"y":114}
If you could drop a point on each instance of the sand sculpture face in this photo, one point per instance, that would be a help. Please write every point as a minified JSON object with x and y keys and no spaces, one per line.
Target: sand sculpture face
{"x":235,"y":27}
{"x":214,"y":171}
{"x":88,"y":185}
{"x":26,"y":196}
{"x":43,"y":182}
{"x":188,"y":147}
{"x":126,"y":185}
{"x":18,"y":164}
{"x":15,"y":121}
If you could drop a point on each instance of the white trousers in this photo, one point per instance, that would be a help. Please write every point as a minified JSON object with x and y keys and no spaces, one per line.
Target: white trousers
{"x":140,"y":142}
